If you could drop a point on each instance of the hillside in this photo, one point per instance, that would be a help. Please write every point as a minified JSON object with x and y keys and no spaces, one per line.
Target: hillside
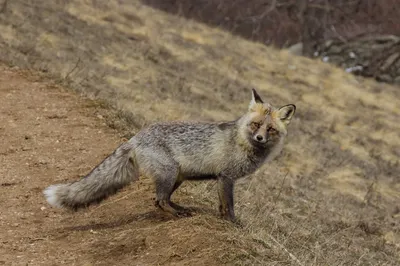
{"x":331,"y":198}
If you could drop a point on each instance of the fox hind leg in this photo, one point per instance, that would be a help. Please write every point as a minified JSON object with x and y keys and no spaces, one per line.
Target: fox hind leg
{"x":180,"y":208}
{"x":163,"y":201}
{"x":166,"y":183}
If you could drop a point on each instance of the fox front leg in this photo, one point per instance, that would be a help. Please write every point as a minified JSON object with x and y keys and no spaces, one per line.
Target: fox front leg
{"x":225,"y":193}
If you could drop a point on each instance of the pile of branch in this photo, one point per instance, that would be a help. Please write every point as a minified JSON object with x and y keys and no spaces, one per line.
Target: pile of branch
{"x":372,"y":56}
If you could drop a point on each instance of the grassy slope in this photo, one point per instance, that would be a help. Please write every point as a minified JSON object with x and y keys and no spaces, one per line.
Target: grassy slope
{"x":331,"y":198}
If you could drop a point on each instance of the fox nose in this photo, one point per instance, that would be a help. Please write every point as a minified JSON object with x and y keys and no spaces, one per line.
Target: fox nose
{"x":259,"y":138}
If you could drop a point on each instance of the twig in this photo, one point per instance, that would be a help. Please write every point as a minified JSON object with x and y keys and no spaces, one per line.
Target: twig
{"x":271,"y":8}
{"x":343,"y":39}
{"x":293,"y":257}
{"x":73,"y":69}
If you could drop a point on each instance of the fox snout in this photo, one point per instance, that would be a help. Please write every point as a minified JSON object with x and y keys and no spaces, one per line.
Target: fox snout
{"x":260,"y":138}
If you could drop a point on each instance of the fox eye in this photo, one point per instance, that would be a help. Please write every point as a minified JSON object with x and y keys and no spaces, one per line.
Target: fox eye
{"x":255,"y":125}
{"x":272,"y":130}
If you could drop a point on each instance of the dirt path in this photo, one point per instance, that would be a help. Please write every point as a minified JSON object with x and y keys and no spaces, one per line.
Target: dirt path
{"x":49,"y":135}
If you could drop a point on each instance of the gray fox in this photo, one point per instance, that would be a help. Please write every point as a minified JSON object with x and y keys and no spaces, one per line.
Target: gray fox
{"x":173,"y":152}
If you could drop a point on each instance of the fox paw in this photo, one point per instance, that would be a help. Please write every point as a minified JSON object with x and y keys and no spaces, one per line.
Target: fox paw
{"x":183,"y":213}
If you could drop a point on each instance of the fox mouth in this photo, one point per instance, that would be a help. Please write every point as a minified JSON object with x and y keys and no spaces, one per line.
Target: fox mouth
{"x":263,"y":141}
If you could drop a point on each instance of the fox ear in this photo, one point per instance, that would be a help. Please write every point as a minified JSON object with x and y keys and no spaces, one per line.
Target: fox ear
{"x":255,"y":98}
{"x":285,"y":113}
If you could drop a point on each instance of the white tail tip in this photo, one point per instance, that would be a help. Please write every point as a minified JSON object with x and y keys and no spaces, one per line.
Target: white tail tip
{"x":51,"y":195}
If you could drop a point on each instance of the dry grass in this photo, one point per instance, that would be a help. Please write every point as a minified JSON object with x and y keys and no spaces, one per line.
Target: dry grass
{"x":333,"y":196}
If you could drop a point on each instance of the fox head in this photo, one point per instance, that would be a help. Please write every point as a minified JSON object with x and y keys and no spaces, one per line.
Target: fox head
{"x":264,"y":125}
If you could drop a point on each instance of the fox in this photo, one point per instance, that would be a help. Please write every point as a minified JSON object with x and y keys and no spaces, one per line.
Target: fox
{"x":177,"y":151}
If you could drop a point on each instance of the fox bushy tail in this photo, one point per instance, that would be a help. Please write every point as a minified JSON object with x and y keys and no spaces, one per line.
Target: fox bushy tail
{"x":115,"y":172}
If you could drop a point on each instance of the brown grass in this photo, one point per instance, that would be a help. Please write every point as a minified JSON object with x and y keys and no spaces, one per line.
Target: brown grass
{"x":332,"y":198}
